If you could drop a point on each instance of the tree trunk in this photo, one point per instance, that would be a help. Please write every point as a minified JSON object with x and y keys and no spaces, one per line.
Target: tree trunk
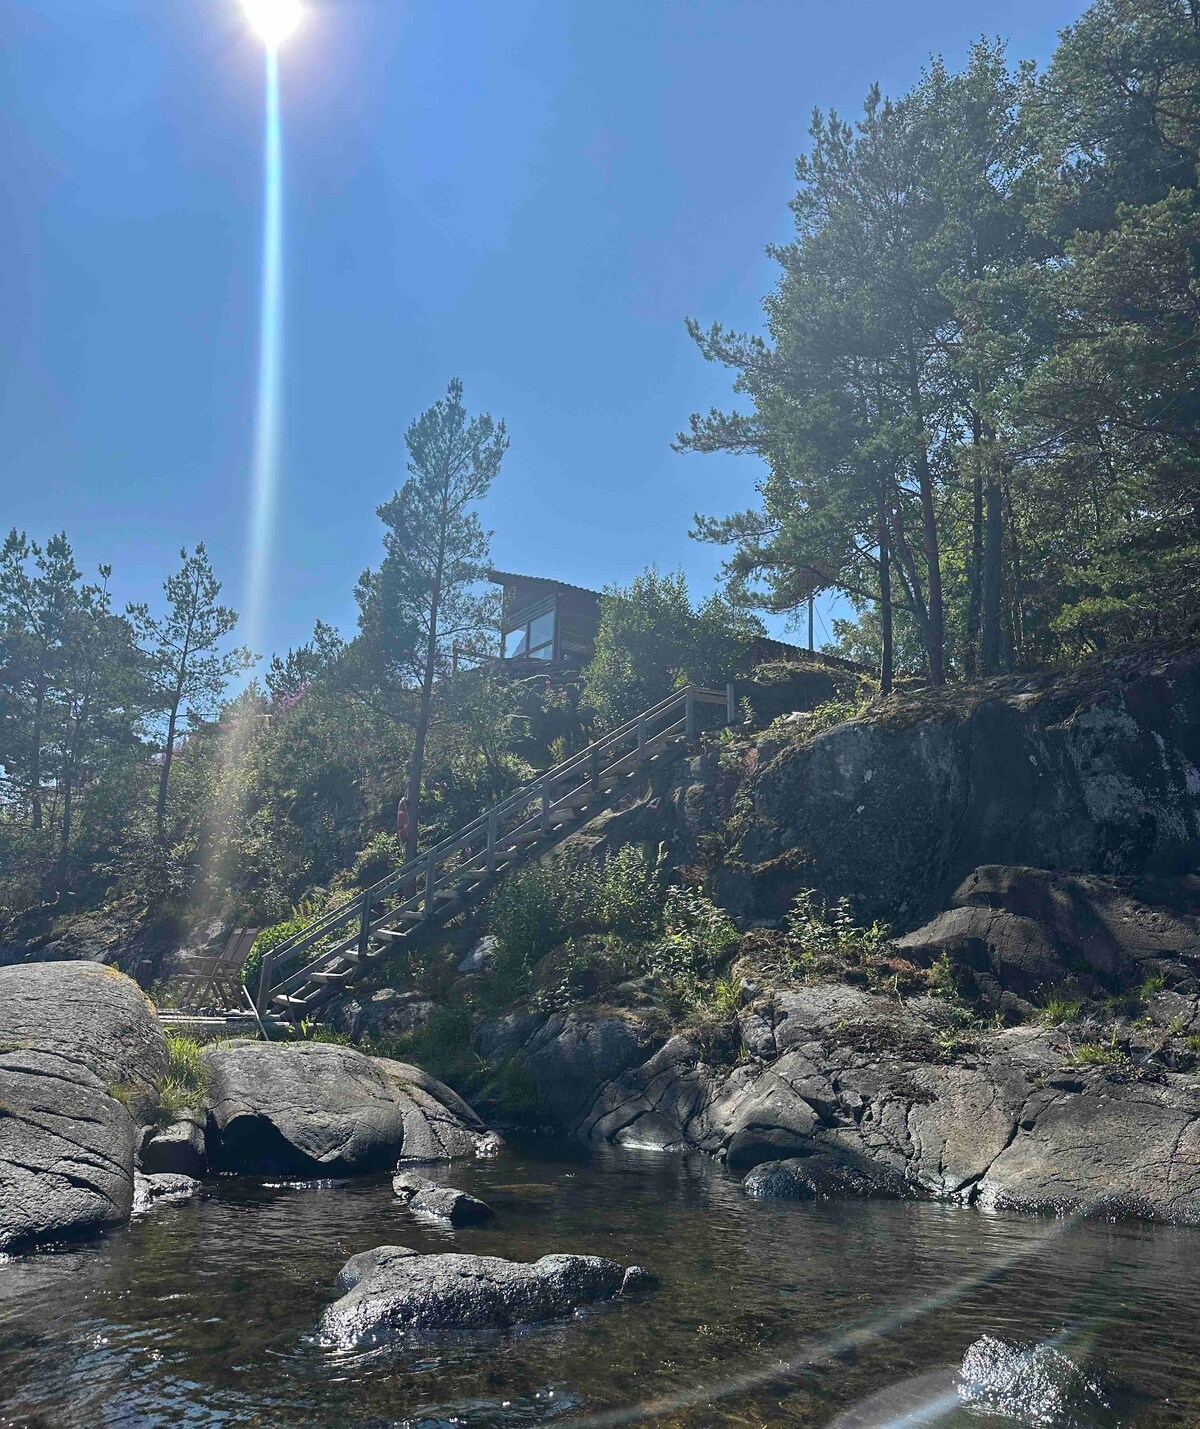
{"x":885,"y":604}
{"x":35,"y":773}
{"x":421,"y":732}
{"x":975,"y":558}
{"x":936,"y":643}
{"x":993,"y":577}
{"x":160,"y":817}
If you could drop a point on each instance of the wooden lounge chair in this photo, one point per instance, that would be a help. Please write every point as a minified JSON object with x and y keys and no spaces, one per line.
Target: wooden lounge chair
{"x":220,"y":977}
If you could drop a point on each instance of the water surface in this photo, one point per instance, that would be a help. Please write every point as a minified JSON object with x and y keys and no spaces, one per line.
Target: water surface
{"x":204,"y":1313}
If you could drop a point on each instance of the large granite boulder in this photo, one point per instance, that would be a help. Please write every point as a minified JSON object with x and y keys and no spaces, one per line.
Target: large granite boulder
{"x":570,"y":1056}
{"x":1016,"y":933}
{"x":392,"y":1293}
{"x":438,"y":1124}
{"x":317,"y":1109}
{"x":80,"y":1049}
{"x":1096,"y":770}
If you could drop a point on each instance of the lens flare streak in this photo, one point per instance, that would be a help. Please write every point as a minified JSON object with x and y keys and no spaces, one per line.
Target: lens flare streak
{"x":268,"y":416}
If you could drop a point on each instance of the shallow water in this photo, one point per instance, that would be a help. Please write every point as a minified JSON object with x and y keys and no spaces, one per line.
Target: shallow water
{"x":769,"y":1313}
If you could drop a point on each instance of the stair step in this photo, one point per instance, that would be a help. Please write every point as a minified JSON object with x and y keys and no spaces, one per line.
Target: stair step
{"x":339,"y":976}
{"x":387,"y":936}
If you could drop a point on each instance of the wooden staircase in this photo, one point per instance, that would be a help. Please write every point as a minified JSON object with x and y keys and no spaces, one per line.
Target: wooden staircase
{"x":298,"y":977}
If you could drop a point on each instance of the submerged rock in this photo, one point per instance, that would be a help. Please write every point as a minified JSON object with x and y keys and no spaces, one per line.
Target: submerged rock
{"x":392,"y":1292}
{"x":319,"y":1109}
{"x":822,"y":1178}
{"x":149,"y":1191}
{"x":1030,"y":1384}
{"x":79,"y":1046}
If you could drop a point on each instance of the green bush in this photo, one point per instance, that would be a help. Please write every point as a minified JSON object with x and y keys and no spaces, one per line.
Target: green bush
{"x":697,"y":939}
{"x":544,"y":904}
{"x":830,"y":928}
{"x":382,"y":855}
{"x":269,"y":938}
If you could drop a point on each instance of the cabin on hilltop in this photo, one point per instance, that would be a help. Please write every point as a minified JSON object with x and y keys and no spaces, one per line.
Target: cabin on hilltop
{"x":550,"y":626}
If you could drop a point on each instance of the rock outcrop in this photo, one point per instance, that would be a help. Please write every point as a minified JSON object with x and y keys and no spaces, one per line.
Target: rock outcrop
{"x":79,"y":1047}
{"x":392,"y":1293}
{"x":862,"y":1094}
{"x":317,"y":1109}
{"x":1017,"y":934}
{"x":1095,"y":771}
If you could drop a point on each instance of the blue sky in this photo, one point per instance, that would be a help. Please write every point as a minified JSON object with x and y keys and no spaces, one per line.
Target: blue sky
{"x":531,"y":196}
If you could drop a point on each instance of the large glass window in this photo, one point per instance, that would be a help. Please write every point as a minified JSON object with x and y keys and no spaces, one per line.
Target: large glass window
{"x":534,"y":638}
{"x":541,"y":636}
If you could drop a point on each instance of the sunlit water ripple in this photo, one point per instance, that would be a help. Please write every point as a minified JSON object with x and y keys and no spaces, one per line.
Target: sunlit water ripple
{"x":206,"y":1312}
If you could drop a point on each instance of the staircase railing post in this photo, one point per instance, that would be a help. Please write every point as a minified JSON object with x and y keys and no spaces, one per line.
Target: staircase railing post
{"x":689,"y":710}
{"x":595,"y":770}
{"x":430,"y":872}
{"x":364,"y":926}
{"x":264,"y":983}
{"x":730,"y":704}
{"x":545,"y":814}
{"x":641,"y":734}
{"x":491,"y":844}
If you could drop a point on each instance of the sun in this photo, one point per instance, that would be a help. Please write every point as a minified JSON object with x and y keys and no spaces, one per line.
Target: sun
{"x":274,"y":20}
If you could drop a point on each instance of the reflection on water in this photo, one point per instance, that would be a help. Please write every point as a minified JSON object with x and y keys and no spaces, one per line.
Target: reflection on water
{"x":769,"y":1314}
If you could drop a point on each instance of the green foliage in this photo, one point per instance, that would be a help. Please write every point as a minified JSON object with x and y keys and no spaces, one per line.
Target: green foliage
{"x":978,"y":400}
{"x":269,"y":938}
{"x":382,"y":855}
{"x":830,"y":928}
{"x":185,"y":1086}
{"x":541,"y":905}
{"x":1059,"y":1008}
{"x":1099,"y":1054}
{"x":652,"y":641}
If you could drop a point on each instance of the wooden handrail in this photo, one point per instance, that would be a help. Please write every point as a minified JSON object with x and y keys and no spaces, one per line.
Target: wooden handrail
{"x":486,"y":829}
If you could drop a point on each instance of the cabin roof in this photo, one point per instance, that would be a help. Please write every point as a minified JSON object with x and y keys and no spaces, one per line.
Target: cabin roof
{"x":510,"y":577}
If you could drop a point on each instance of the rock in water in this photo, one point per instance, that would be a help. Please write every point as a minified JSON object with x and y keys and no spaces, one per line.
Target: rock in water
{"x":177,"y":1149}
{"x":314,"y":1108}
{"x":822,"y":1178}
{"x":1030,"y":1384}
{"x":392,"y":1292}
{"x":149,"y":1191}
{"x":438,"y":1124}
{"x":299,"y":1110}
{"x":77,"y":1043}
{"x":444,"y":1203}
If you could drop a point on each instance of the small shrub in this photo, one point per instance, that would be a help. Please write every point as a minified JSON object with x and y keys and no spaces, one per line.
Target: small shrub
{"x":830,"y":928}
{"x":1177,"y":1026}
{"x":697,"y":939}
{"x":1151,"y":986}
{"x":382,"y":855}
{"x":1099,"y":1054}
{"x":1058,"y":1009}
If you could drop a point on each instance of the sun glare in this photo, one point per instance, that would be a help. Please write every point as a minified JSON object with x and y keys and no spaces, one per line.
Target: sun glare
{"x":273,"y":20}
